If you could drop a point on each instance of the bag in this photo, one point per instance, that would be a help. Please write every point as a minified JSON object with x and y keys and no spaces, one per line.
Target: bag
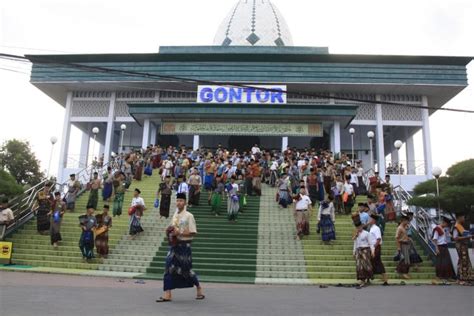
{"x":157,"y":203}
{"x":131,"y":210}
{"x":345,"y":197}
{"x":148,"y":170}
{"x":397,"y":256}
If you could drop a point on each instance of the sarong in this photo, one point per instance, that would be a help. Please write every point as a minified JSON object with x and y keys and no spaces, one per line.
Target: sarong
{"x":102,"y":244}
{"x":321,"y":191}
{"x":55,"y":231}
{"x":42,"y":219}
{"x":377,"y":263}
{"x":232,"y":207}
{"x":403,"y":265}
{"x":302,"y":222}
{"x":363,"y":264}
{"x":284,"y":198}
{"x":107,"y":191}
{"x":118,"y":204}
{"x":194,"y":195}
{"x":444,"y":266}
{"x":86,"y":244}
{"x":216,"y":201}
{"x":135,"y":225}
{"x":178,"y":268}
{"x":257,"y":185}
{"x":328,"y":231}
{"x":208,"y":181}
{"x":327,"y":184}
{"x":93,"y":198}
{"x":464,"y":262}
{"x":313,"y":194}
{"x":165,"y":205}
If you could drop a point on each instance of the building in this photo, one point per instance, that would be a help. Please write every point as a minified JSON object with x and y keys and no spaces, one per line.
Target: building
{"x":327,"y":94}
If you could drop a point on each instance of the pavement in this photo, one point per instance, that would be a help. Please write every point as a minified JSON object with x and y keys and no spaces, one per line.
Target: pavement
{"x":58,"y":294}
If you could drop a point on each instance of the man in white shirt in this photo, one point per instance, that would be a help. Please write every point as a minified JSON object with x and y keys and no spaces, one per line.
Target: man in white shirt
{"x":444,"y":266}
{"x":255,"y":149}
{"x":137,"y":199}
{"x":6,"y":216}
{"x":362,"y":254}
{"x":376,"y":246}
{"x":302,"y":211}
{"x":182,"y":186}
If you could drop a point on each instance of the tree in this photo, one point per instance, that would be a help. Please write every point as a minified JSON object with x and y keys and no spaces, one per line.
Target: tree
{"x":8,"y":185}
{"x":17,"y":158}
{"x":456,"y":191}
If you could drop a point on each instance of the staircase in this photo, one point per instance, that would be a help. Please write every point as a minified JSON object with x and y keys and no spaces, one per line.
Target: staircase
{"x":33,"y":249}
{"x":222,"y":251}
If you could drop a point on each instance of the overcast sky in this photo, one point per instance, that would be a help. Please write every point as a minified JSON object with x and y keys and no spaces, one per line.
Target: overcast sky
{"x":402,"y":27}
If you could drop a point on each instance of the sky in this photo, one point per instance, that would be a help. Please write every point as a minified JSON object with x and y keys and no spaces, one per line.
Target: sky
{"x":402,"y":27}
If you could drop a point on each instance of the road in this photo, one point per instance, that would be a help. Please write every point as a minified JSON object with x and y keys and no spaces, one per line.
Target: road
{"x":51,"y":294}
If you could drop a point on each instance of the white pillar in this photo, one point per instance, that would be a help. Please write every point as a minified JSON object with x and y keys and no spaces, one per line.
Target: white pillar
{"x":101,"y":149}
{"x":427,"y":138}
{"x":337,"y":137}
{"x":65,"y":139}
{"x":84,"y":155}
{"x":153,"y":134}
{"x":196,"y":142}
{"x":410,"y":151}
{"x":146,"y":133}
{"x":380,"y":140}
{"x":284,"y":144}
{"x":110,"y":129}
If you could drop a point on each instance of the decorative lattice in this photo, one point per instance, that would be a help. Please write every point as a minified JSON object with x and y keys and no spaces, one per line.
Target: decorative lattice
{"x":366,"y":112}
{"x":90,"y":108}
{"x":401,"y":98}
{"x":178,"y":96}
{"x":400,"y":113}
{"x":92,"y":94}
{"x":140,"y":94}
{"x":358,"y":96}
{"x":298,"y":99}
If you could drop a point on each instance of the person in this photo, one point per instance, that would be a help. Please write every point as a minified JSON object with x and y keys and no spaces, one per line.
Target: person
{"x":256,"y":180}
{"x":363,"y":209}
{"x":232,"y":200}
{"x":137,"y":207}
{"x":88,"y":224}
{"x":312,"y":183}
{"x":327,"y":219}
{"x":108,"y":185}
{"x":104,"y":223}
{"x":94,"y":185}
{"x":403,"y":247}
{"x":6,"y":216}
{"x":178,"y":265}
{"x":376,"y":244}
{"x":119,"y":193}
{"x":216,"y":197}
{"x":182,"y":186}
{"x":42,"y":207}
{"x":283,"y":196}
{"x":73,"y":188}
{"x":362,"y":251}
{"x":165,"y":190}
{"x":195,"y":183}
{"x":56,"y":215}
{"x":302,"y":210}
{"x":444,"y":266}
{"x":348,"y":195}
{"x":461,"y":238}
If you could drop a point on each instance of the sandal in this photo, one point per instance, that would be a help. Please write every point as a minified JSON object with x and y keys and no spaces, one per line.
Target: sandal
{"x":200,"y":297}
{"x":163,"y":300}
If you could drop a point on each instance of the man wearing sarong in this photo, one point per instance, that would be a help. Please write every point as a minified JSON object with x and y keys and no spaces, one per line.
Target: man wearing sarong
{"x":376,"y":245}
{"x":362,"y":254}
{"x":326,"y":220}
{"x":302,"y":213}
{"x":232,"y":200}
{"x":56,"y":215}
{"x":73,"y":188}
{"x":88,"y":224}
{"x":108,"y":185}
{"x":444,"y":266}
{"x":256,"y":180}
{"x":461,"y":236}
{"x":403,"y":247}
{"x":104,"y":223}
{"x":6,"y":216}
{"x":137,"y":207}
{"x":119,"y":193}
{"x":165,"y":202}
{"x":94,"y":190}
{"x":42,"y":207}
{"x":217,"y":194}
{"x":195,"y":183}
{"x":178,"y":266}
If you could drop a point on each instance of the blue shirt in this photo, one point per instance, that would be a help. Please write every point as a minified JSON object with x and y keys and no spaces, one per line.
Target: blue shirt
{"x":364,"y":217}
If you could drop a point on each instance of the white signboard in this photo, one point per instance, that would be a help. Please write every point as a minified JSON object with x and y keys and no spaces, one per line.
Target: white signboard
{"x":245,"y":95}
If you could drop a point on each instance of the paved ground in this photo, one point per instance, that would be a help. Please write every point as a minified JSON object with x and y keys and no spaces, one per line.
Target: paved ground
{"x":51,"y":294}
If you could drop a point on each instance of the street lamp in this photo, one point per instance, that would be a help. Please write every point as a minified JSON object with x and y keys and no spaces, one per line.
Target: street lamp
{"x":123,"y":127}
{"x":371,"y":136}
{"x":398,"y":144}
{"x":53,"y":141}
{"x":352,"y":131}
{"x":436,"y":173}
{"x":95,"y":131}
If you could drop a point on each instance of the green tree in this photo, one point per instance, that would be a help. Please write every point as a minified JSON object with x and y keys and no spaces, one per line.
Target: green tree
{"x":17,"y":158}
{"x":8,"y":185}
{"x":456,"y":190}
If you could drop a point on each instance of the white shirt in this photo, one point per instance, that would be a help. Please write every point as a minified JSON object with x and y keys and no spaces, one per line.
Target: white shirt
{"x":138,"y":201}
{"x":255,"y":150}
{"x":183,"y":188}
{"x":362,"y":241}
{"x":327,"y":211}
{"x":441,"y":240}
{"x":303,"y":203}
{"x":375,"y":234}
{"x":360,"y":172}
{"x":354,"y":179}
{"x":348,"y":188}
{"x":184,"y":221}
{"x":274,"y":166}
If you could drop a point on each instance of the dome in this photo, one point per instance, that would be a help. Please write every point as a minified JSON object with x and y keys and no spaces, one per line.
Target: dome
{"x":254,"y":23}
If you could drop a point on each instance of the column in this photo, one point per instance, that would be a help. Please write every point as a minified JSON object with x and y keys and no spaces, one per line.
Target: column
{"x":337,"y":137}
{"x":380,"y":140}
{"x":153,"y":134}
{"x":101,"y":149}
{"x":196,"y":142}
{"x":146,"y":133}
{"x":85,"y":142}
{"x":410,"y":151}
{"x":65,"y":139}
{"x":284,"y":143}
{"x":427,"y":139}
{"x":110,"y":130}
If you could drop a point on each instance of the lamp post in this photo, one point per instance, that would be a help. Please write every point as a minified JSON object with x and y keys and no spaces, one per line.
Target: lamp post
{"x":53,"y":141}
{"x":436,"y":173}
{"x":123,"y":127}
{"x":398,"y":144}
{"x":352,"y":131}
{"x":371,"y":135}
{"x":95,"y":131}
